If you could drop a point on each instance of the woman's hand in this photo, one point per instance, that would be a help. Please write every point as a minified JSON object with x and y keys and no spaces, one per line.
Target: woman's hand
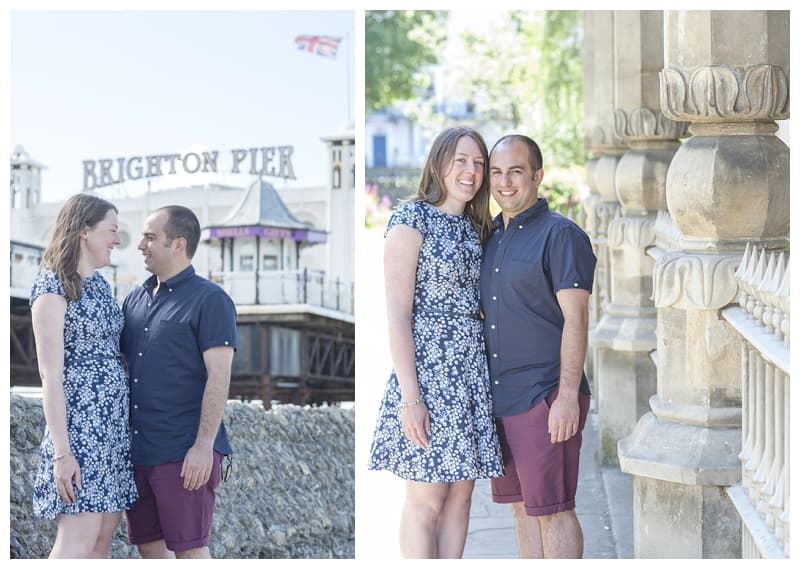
{"x":65,"y":470}
{"x":416,"y":423}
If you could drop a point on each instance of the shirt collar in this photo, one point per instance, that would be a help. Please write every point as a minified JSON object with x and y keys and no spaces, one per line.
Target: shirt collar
{"x":535,"y":210}
{"x":184,"y":275}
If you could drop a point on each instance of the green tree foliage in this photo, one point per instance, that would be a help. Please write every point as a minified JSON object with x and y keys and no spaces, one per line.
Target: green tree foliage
{"x":526,"y":75}
{"x":398,"y":45}
{"x":561,"y":86}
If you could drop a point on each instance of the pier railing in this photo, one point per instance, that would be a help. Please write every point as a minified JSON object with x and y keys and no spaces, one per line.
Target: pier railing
{"x":287,"y":287}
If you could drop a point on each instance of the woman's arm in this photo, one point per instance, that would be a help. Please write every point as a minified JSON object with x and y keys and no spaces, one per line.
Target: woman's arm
{"x":47,"y":314}
{"x":400,"y":255}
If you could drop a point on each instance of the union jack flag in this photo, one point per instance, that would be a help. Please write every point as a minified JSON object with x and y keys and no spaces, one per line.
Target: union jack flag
{"x":325,"y":46}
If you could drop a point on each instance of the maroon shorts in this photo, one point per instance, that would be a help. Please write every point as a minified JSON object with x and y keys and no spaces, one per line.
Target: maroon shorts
{"x":542,"y":475}
{"x":165,"y":510}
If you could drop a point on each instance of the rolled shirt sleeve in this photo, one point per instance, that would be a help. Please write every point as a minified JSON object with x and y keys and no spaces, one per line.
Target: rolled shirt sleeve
{"x":570,"y":259}
{"x":217,"y":322}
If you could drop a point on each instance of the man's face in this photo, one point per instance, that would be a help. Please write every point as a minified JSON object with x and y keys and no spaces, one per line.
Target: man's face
{"x":512,"y":184}
{"x":159,"y":256}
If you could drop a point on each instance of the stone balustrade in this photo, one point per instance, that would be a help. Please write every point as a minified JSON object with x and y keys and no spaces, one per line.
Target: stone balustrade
{"x":762,"y":319}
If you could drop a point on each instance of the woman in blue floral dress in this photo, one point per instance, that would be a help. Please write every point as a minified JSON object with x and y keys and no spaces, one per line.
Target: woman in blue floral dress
{"x":85,"y":475}
{"x":435,"y":427}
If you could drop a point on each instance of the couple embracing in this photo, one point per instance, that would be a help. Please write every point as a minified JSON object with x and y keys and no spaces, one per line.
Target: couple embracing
{"x":487,"y":329}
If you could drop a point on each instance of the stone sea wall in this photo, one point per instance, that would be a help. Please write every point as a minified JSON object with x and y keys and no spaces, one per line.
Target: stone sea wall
{"x":290,"y":493}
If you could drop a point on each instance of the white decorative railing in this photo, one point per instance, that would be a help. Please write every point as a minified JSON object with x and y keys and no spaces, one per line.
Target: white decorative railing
{"x":762,"y":319}
{"x":287,"y":287}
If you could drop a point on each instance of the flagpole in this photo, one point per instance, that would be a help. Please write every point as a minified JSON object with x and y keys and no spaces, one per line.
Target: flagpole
{"x":349,"y":85}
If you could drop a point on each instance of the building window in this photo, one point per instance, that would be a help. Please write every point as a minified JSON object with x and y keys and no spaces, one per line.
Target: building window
{"x":246,"y":263}
{"x":337,"y":177}
{"x":269,"y":262}
{"x":284,"y":351}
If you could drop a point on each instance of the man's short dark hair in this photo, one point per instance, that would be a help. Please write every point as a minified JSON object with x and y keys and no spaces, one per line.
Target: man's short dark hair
{"x":182,"y":222}
{"x":534,"y":153}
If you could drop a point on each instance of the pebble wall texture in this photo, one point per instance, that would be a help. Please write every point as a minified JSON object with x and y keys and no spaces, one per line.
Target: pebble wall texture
{"x":290,"y":493}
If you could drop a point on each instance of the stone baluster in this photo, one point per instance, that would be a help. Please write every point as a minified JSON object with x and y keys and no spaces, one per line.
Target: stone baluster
{"x":762,"y":475}
{"x":727,"y":74}
{"x":772,"y":494}
{"x":748,"y":410}
{"x":786,"y":515}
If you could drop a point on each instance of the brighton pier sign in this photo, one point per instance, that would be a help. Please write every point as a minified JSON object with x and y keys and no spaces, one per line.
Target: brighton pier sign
{"x":273,"y":161}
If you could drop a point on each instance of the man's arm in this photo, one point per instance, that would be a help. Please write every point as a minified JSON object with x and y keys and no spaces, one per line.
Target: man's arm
{"x":564,"y":412}
{"x":199,"y":459}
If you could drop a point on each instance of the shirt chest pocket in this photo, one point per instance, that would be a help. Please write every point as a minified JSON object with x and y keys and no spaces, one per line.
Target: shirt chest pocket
{"x":175,"y":334}
{"x":525,"y":277}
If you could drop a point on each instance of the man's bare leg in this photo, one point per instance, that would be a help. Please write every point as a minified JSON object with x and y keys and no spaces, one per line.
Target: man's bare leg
{"x":155,"y":550}
{"x":196,"y":553}
{"x":562,"y":537}
{"x":529,"y":534}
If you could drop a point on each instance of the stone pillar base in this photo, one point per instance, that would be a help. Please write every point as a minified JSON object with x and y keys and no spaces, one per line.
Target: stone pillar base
{"x":625,"y":375}
{"x":681,"y":472}
{"x":697,"y":522}
{"x":629,"y":380}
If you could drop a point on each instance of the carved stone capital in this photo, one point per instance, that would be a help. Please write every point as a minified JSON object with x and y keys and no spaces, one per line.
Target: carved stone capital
{"x":637,"y":232}
{"x":722,"y":93}
{"x":603,"y":214}
{"x":668,"y":236}
{"x":695,"y":281}
{"x":603,"y":140}
{"x":646,"y":124}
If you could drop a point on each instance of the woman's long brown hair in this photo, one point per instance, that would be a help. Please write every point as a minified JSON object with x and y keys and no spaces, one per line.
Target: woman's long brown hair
{"x":81,"y":211}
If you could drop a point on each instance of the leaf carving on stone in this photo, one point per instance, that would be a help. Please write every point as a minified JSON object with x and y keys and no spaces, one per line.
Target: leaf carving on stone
{"x":645,"y":123}
{"x":673,"y":93}
{"x":766,"y":91}
{"x":695,"y":281}
{"x":713,"y":91}
{"x":759,"y":92}
{"x":621,"y":123}
{"x":637,"y":232}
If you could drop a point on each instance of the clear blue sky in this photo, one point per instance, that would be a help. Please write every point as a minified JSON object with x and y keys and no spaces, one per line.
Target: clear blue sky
{"x":91,"y":85}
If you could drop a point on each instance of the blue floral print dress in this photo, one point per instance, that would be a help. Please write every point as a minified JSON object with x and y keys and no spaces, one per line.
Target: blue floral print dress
{"x":96,"y":395}
{"x":451,"y":362}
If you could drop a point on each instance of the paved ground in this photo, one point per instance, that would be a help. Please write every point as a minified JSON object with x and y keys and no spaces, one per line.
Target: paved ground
{"x":603,"y":504}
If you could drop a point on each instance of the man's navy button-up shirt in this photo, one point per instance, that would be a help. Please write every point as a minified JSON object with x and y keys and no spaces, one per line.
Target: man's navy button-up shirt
{"x":163,"y":341}
{"x":539,"y":253}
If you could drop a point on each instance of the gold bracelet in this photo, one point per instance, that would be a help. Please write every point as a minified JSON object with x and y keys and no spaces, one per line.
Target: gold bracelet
{"x":410,"y":403}
{"x":60,"y":456}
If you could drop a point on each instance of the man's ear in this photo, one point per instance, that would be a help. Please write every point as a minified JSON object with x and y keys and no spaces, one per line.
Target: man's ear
{"x":180,"y":244}
{"x":538,"y":176}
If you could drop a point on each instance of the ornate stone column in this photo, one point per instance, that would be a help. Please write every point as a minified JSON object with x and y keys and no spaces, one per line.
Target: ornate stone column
{"x":726,"y":73}
{"x":601,"y":207}
{"x":626,"y":335}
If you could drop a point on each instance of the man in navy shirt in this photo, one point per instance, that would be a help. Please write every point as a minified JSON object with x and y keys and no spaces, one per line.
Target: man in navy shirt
{"x":536,"y":278}
{"x":179,"y":338}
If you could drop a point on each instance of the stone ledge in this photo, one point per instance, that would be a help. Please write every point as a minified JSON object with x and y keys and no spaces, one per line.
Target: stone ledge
{"x":681,"y":453}
{"x":290,"y":495}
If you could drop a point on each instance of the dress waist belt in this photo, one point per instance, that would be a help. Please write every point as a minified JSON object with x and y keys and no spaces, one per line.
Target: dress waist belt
{"x":94,"y":357}
{"x":473,"y":315}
